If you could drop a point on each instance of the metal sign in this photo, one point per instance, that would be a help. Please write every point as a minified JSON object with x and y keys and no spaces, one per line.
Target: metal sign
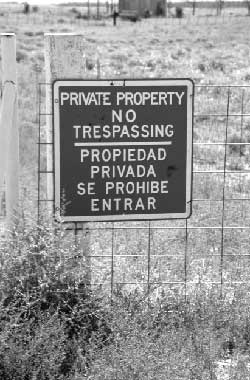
{"x":123,"y":149}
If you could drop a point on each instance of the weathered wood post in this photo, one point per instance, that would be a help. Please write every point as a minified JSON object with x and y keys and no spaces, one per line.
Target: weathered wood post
{"x":64,"y":59}
{"x":9,"y":141}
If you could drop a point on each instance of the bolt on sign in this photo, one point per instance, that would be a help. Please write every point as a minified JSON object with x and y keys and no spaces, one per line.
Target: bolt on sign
{"x":123,"y":149}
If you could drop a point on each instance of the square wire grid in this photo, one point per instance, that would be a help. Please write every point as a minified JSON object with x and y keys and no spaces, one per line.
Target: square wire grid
{"x":211,"y":247}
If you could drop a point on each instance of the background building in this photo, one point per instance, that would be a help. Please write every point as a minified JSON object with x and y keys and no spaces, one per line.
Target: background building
{"x":155,"y":7}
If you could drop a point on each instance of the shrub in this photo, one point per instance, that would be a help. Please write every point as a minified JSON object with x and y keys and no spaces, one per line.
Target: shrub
{"x":217,"y":65}
{"x":26,"y":9}
{"x":202,"y":67}
{"x":21,"y":55}
{"x":179,"y":12}
{"x":31,"y":350}
{"x":45,"y":303}
{"x":173,"y":338}
{"x":53,"y":327}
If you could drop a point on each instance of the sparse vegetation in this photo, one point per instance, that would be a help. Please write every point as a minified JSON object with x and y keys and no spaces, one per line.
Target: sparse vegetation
{"x":51,"y":325}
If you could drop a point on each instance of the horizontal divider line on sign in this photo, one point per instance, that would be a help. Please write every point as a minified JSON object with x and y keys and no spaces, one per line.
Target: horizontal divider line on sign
{"x":46,"y":200}
{"x":133,"y":143}
{"x":46,"y":171}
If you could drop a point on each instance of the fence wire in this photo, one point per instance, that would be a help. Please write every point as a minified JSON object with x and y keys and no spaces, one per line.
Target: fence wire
{"x":210,"y":248}
{"x":80,"y":16}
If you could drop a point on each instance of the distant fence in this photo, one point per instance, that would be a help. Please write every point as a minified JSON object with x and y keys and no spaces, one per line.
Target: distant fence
{"x":14,"y":13}
{"x":212,"y":247}
{"x":217,"y":8}
{"x":82,"y":13}
{"x":209,"y":4}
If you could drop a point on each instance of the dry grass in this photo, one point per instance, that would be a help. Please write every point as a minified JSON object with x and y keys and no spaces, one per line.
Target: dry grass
{"x":210,"y":51}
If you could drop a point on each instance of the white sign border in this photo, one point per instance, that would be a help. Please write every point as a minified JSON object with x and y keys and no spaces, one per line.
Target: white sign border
{"x":124,"y":82}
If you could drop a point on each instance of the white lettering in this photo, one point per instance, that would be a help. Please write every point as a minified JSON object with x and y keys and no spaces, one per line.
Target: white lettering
{"x":117,"y":116}
{"x":84,"y":153}
{"x":64,"y":97}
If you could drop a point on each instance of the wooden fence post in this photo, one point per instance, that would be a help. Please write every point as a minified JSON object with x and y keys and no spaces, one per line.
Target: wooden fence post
{"x":64,"y":59}
{"x":9,"y":142}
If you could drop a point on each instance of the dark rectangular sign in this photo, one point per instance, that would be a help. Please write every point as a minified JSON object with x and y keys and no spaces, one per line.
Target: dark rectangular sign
{"x":123,"y":149}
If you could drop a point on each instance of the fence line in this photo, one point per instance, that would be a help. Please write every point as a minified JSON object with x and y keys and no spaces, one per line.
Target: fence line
{"x":81,"y":17}
{"x":205,"y":249}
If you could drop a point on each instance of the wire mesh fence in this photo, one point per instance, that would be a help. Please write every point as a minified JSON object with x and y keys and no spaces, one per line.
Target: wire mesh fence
{"x":210,"y":248}
{"x":77,"y":16}
{"x":202,"y":17}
